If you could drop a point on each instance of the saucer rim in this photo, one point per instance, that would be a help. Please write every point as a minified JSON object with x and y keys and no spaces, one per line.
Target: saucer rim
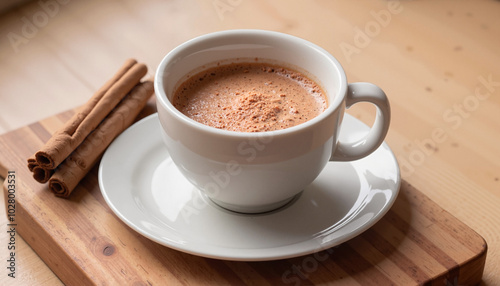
{"x":274,"y":253}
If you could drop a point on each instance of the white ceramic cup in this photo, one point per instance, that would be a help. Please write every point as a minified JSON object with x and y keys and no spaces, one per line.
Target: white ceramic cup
{"x":259,"y":172}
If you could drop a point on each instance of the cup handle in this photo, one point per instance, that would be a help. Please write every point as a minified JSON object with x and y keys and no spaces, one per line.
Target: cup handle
{"x":365,"y":92}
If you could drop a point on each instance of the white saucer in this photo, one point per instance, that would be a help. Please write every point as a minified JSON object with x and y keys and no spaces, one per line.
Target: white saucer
{"x":145,"y":190}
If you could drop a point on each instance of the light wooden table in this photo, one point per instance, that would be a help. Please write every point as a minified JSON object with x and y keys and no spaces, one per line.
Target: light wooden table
{"x":438,"y":61}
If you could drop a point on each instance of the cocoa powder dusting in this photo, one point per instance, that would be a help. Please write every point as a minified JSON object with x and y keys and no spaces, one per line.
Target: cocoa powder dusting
{"x":250,"y":97}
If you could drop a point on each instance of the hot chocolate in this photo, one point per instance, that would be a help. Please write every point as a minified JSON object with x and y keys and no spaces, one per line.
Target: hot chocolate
{"x":250,"y":97}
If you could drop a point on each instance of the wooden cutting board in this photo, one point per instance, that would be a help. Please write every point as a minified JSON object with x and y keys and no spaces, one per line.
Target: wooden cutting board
{"x":84,"y":243}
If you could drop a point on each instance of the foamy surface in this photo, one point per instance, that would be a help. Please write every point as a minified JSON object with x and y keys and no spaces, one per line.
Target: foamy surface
{"x":250,"y":97}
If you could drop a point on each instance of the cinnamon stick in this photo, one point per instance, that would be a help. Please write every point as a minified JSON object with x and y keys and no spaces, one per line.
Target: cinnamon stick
{"x":79,"y":163}
{"x":40,"y":174}
{"x":32,"y":163}
{"x":72,"y":134}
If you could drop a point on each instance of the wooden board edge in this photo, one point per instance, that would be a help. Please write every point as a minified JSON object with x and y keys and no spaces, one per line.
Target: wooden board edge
{"x":468,"y":273}
{"x":471,"y":272}
{"x":49,"y":251}
{"x":3,"y":171}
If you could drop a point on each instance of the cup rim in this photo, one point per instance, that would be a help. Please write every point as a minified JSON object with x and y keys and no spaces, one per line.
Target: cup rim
{"x":162,"y":98}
